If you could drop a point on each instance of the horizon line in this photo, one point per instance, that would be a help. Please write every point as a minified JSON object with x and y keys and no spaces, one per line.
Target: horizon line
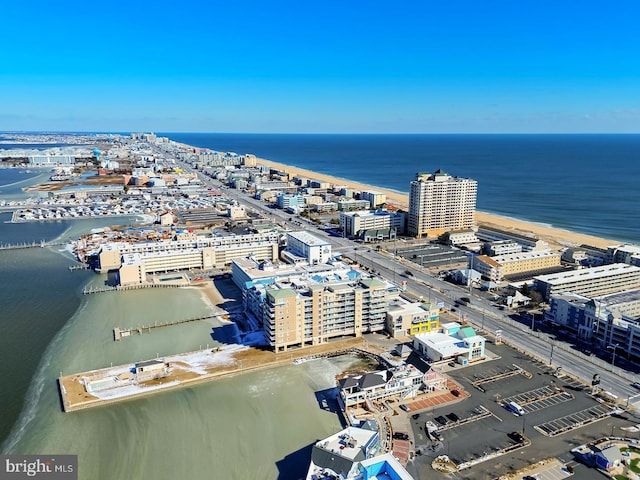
{"x":304,"y":133}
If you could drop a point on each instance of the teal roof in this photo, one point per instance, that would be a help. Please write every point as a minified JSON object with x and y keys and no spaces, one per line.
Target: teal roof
{"x":466,"y":332}
{"x":278,"y":293}
{"x":372,"y":282}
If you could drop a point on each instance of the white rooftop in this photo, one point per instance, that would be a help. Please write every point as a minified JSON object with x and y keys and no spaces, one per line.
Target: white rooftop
{"x":592,"y":273}
{"x":447,"y":345}
{"x":348,"y":442}
{"x":307,"y":238}
{"x":521,"y":256}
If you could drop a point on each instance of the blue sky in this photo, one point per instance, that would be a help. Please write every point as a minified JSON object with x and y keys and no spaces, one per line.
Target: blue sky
{"x":340,"y":67}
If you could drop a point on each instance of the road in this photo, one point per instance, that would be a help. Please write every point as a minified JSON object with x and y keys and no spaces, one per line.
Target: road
{"x":480,"y":312}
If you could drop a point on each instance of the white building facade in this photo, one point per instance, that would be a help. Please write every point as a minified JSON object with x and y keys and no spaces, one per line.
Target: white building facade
{"x":439,"y":203}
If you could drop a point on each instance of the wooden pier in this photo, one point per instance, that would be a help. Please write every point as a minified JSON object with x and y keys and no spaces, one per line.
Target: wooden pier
{"x":79,"y":266}
{"x":121,"y":288}
{"x":119,"y":333}
{"x":23,"y":245}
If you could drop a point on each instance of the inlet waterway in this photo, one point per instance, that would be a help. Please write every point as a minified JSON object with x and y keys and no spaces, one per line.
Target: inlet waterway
{"x":257,"y":425}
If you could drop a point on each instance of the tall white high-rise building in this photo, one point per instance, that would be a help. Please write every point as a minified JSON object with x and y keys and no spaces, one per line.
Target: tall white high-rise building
{"x":439,"y":203}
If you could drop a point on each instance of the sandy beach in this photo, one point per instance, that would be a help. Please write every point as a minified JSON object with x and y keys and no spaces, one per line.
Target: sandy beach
{"x":557,"y":238}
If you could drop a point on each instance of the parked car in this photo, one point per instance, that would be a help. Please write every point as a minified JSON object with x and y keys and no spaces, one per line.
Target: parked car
{"x":405,"y":407}
{"x":441,"y":420}
{"x":453,"y":417}
{"x":400,"y":436}
{"x":516,"y":437}
{"x":636,"y":385}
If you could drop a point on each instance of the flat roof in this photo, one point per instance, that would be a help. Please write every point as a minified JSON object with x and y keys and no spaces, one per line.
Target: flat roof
{"x":278,"y":293}
{"x":347,"y":443}
{"x":515,"y":257}
{"x":307,"y":238}
{"x":622,"y":297}
{"x":587,"y":273}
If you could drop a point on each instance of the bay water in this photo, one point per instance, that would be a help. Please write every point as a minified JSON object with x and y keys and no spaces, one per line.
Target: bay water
{"x":258,"y":425}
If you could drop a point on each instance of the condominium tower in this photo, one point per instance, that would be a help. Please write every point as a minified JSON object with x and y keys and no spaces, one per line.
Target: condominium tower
{"x":439,"y":203}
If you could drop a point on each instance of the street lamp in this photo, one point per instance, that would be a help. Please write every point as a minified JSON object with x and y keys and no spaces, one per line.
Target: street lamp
{"x":613,"y":347}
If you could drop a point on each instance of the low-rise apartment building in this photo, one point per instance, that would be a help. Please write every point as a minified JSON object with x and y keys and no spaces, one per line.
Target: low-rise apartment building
{"x":528,"y":242}
{"x":501,"y":266}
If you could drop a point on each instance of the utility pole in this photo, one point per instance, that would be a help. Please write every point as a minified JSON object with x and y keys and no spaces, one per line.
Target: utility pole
{"x":613,"y":359}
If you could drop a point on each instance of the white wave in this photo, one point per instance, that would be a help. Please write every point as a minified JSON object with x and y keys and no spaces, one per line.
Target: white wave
{"x":38,"y":382}
{"x":17,"y":183}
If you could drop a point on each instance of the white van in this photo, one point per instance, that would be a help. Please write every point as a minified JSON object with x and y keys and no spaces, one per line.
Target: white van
{"x":515,"y":408}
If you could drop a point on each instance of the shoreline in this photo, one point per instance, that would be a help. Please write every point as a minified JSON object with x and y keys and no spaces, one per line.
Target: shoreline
{"x":556,"y":237}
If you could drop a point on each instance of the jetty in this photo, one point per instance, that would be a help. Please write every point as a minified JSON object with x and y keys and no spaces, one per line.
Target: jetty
{"x":119,"y":333}
{"x":105,"y":386}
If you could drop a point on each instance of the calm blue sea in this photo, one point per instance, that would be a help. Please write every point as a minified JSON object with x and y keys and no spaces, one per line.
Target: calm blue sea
{"x":584,"y":183}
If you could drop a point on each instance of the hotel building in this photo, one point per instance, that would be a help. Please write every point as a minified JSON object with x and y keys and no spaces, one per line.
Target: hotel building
{"x":52,"y":160}
{"x":308,"y":247}
{"x":590,"y":282}
{"x":357,"y":224}
{"x":498,"y":267}
{"x":439,"y":203}
{"x":608,"y":321}
{"x":202,"y":253}
{"x":308,"y":312}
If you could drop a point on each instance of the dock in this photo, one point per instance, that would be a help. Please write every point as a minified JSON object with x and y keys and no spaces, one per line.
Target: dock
{"x":122,"y":288}
{"x":119,"y":333}
{"x":106,"y":386}
{"x":79,"y":266}
{"x":24,"y":245}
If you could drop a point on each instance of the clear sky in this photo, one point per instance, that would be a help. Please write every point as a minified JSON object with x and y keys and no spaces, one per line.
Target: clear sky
{"x":345,"y":66}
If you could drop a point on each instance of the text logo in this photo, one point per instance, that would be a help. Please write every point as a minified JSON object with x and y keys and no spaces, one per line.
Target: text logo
{"x":49,"y":467}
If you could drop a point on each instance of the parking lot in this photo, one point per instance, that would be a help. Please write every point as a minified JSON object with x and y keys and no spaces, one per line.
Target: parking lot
{"x":574,"y":420}
{"x":482,"y":432}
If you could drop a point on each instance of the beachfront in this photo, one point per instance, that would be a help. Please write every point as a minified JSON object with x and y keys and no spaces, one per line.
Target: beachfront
{"x":557,"y":238}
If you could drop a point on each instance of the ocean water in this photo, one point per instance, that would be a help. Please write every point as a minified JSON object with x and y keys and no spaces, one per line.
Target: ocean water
{"x":258,"y":425}
{"x":583,"y":183}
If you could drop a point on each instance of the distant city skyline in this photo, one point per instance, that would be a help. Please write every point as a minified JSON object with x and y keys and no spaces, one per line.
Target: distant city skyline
{"x":331,"y":67}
